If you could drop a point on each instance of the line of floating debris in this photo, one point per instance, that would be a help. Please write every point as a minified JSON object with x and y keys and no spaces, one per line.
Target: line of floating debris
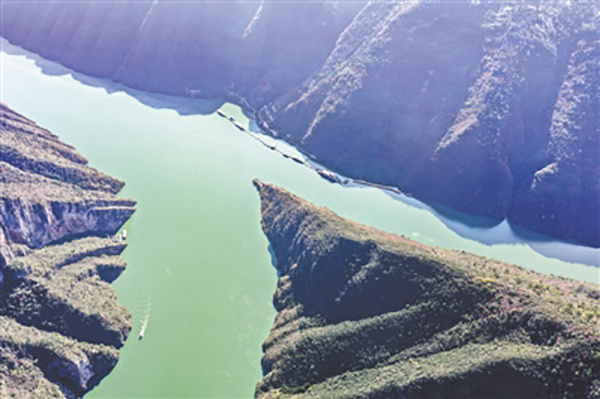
{"x":239,"y":126}
{"x":324,"y":173}
{"x":330,"y":176}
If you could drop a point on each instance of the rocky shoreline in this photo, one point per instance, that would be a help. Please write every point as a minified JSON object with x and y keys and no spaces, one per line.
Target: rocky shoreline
{"x":61,"y":323}
{"x":404,"y":95}
{"x":363,"y":313}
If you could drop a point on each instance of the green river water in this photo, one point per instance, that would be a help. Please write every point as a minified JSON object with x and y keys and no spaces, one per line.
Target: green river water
{"x":199,"y":269}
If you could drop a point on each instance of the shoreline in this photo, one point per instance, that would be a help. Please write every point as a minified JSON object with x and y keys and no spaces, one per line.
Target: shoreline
{"x":457,"y":221}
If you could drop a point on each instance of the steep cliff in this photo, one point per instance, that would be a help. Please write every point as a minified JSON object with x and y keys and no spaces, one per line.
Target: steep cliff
{"x":464,"y":105}
{"x":249,"y":51}
{"x":363,"y":313}
{"x":488,"y":107}
{"x":61,"y":324}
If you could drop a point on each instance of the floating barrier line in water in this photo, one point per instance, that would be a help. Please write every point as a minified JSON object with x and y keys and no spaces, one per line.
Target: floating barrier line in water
{"x":323,"y":172}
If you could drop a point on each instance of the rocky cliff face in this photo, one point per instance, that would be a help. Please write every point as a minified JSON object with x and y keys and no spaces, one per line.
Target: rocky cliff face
{"x":194,"y":49}
{"x":61,"y":324}
{"x":363,"y":313}
{"x":464,"y":105}
{"x":491,"y":108}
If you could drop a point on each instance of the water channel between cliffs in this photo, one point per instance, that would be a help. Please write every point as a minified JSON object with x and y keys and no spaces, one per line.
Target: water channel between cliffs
{"x":198,"y":262}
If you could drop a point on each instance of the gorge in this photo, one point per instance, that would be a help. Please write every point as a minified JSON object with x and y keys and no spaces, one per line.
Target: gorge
{"x":61,"y":324}
{"x":404,"y":94}
{"x":197,"y":258}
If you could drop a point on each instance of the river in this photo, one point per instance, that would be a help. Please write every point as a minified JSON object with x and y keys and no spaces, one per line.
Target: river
{"x":199,"y":269}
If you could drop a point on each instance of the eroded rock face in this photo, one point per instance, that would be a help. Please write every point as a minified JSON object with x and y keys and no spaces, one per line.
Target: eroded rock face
{"x":363,"y":313}
{"x":488,"y":107}
{"x":464,"y":105}
{"x":60,"y":321}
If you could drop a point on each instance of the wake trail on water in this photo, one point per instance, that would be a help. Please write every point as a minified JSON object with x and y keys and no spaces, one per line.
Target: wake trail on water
{"x":145,"y":288}
{"x":145,"y":319}
{"x":146,"y":295}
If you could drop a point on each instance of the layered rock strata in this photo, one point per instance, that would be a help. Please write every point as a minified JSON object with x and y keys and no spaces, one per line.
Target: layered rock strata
{"x":488,"y":107}
{"x":61,"y":323}
{"x":363,"y":313}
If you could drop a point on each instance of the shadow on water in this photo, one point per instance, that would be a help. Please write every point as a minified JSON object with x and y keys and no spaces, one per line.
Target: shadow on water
{"x":182,"y":105}
{"x":273,"y":259}
{"x":490,"y":232}
{"x":484,"y":230}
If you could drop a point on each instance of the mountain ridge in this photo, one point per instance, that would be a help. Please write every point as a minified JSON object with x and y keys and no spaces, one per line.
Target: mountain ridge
{"x":410,"y":95}
{"x":364,"y":313}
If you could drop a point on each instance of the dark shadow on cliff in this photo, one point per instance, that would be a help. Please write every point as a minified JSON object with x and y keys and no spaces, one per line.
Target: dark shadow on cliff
{"x":484,"y":230}
{"x":182,"y":105}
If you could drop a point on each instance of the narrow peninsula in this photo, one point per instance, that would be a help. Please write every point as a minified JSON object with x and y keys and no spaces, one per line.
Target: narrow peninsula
{"x":367,"y":314}
{"x":60,"y":323}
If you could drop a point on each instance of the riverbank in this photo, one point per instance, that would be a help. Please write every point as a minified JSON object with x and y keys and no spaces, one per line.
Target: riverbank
{"x":195,"y":244}
{"x":514,"y":98}
{"x":61,"y":325}
{"x":362,"y":312}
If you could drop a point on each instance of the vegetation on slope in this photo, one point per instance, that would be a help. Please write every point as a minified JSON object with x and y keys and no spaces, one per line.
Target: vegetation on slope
{"x":363,"y":313}
{"x":405,"y":94}
{"x":60,"y":323}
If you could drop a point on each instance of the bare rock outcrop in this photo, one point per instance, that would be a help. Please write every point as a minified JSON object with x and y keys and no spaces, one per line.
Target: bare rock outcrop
{"x":61,"y":325}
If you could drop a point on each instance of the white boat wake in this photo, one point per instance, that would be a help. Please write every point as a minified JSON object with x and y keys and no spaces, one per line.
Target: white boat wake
{"x":145,"y":320}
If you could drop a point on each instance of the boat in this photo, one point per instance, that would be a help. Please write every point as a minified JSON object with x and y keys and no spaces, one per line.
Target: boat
{"x":221,"y":114}
{"x":145,"y":321}
{"x":142,"y":331}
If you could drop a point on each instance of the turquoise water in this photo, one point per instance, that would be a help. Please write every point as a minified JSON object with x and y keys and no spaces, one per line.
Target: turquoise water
{"x":198,"y":268}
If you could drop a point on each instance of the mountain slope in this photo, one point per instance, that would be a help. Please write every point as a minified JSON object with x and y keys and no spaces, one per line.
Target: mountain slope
{"x":363,"y":313}
{"x":488,"y":107}
{"x":61,"y":323}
